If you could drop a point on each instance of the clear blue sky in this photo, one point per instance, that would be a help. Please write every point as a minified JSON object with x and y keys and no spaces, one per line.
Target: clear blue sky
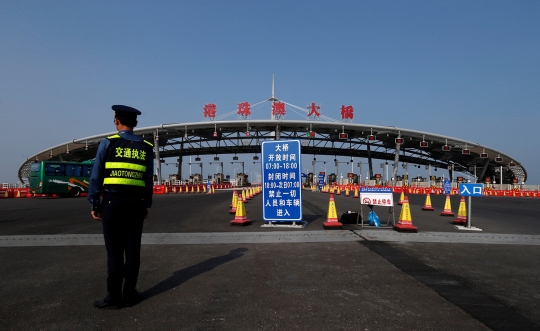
{"x":467,"y":69}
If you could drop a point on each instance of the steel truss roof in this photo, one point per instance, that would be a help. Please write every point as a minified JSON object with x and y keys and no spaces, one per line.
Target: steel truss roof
{"x":231,"y":137}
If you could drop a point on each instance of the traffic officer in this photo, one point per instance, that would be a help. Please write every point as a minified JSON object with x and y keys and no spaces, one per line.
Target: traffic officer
{"x":122,"y":172}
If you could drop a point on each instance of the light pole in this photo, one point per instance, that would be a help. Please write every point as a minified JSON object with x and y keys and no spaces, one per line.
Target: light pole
{"x":431,"y":183}
{"x":313,"y":164}
{"x":451,"y":169}
{"x":219,"y":163}
{"x":243,"y":173}
{"x":201,"y":165}
{"x":337,"y":167}
{"x":360,"y":167}
{"x":384,"y":167}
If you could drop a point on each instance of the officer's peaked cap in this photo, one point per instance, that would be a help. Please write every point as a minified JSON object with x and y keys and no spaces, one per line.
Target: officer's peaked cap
{"x":125,"y":110}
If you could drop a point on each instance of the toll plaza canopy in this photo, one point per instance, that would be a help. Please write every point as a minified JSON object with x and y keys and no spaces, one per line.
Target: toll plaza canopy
{"x":317,"y":138}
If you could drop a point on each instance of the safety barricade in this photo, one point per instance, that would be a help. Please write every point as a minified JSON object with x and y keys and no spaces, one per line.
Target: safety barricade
{"x":21,"y":193}
{"x":159,"y":189}
{"x":4,"y":193}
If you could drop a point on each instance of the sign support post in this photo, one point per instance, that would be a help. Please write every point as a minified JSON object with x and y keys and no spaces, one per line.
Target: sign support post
{"x":469,"y":213}
{"x":470,"y":190}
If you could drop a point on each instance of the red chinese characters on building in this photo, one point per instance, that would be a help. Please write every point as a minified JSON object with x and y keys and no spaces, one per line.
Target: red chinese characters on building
{"x":347,"y":113}
{"x":278,"y":109}
{"x":244,"y":109}
{"x":209,"y":110}
{"x":313,"y":110}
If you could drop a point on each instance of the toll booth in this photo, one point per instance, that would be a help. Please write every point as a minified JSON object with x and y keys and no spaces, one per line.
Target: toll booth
{"x":418,"y":179}
{"x":241,"y":179}
{"x":195,"y":179}
{"x":487,"y":180}
{"x":218,"y":178}
{"x":378,"y":179}
{"x":309,"y":179}
{"x":332,"y":178}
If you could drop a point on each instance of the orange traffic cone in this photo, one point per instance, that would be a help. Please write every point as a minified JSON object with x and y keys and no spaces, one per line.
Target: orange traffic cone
{"x":447,"y":208}
{"x":401,"y":198}
{"x":244,"y":196}
{"x":356,"y":196}
{"x":427,"y":205}
{"x":331,"y":219}
{"x":405,"y":220}
{"x":347,"y":191}
{"x":462,"y":213}
{"x":240,"y":218}
{"x":234,"y":202}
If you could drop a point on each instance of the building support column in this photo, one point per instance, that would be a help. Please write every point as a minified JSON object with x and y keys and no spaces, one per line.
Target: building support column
{"x":396,"y":161}
{"x":370,"y":163}
{"x":180,"y":159}
{"x":484,"y":169}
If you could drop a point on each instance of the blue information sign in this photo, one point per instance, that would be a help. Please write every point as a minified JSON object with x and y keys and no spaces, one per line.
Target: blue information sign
{"x":281,"y":181}
{"x":471,"y":190}
{"x":446,"y":186}
{"x":321,"y":181}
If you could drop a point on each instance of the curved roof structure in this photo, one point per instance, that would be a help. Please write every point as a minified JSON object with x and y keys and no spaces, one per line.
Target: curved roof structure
{"x":329,"y":138}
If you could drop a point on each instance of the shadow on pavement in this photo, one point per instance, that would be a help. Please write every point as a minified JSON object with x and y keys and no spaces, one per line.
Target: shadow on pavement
{"x":487,"y":310}
{"x":186,"y":274}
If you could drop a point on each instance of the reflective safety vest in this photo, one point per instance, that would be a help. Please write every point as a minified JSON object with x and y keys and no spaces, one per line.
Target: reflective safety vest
{"x":125,"y":163}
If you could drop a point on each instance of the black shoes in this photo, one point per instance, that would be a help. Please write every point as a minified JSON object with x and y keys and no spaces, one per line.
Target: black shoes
{"x":104,"y":304}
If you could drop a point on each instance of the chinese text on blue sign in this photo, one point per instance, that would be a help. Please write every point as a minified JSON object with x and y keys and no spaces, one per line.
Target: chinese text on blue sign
{"x":447,"y":186}
{"x":281,"y":181}
{"x":471,"y":190}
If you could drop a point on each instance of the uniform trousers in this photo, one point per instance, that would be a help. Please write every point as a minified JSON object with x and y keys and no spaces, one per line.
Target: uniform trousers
{"x":122,"y":218}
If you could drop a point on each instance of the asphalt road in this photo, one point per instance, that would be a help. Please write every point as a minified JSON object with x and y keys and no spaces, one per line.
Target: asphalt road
{"x":356,"y":284}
